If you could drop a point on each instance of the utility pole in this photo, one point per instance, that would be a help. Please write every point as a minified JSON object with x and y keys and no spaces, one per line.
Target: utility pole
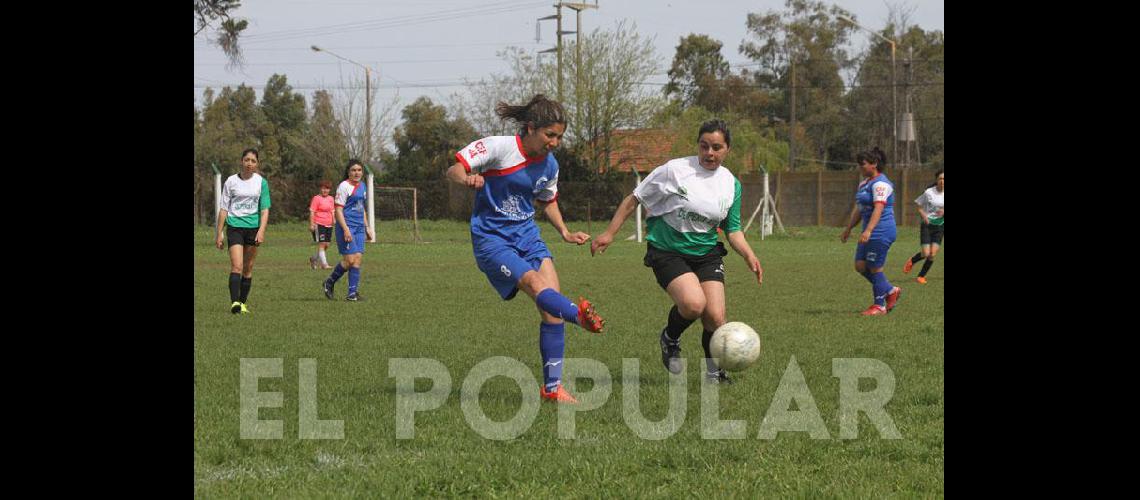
{"x":578,"y":8}
{"x":792,"y":129}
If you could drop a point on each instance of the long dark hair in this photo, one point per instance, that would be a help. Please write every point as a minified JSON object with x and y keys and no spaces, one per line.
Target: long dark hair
{"x":875,"y":156}
{"x":348,"y":167}
{"x":539,"y":112}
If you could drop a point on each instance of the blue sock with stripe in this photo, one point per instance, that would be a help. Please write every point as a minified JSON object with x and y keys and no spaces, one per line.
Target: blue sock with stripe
{"x":353,"y":279}
{"x":552,"y":344}
{"x":881,"y":287}
{"x":556,"y":304}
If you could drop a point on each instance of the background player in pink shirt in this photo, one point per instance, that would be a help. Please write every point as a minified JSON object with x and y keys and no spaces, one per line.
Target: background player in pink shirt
{"x":321,"y":224}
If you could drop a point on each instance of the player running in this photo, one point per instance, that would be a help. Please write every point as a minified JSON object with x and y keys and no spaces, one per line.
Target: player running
{"x":931,"y":206}
{"x":512,"y":176}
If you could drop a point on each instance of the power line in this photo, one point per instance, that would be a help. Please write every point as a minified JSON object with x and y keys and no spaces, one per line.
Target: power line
{"x":406,"y":61}
{"x":395,"y":22}
{"x":367,"y":47}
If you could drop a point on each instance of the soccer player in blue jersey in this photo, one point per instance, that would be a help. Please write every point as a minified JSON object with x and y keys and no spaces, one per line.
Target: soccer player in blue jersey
{"x":512,"y":177}
{"x":351,"y":230}
{"x":874,"y":205}
{"x":242,"y":219}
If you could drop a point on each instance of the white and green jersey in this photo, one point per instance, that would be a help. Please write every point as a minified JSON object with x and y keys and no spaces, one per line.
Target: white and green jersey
{"x":932,"y":202}
{"x":686,"y":202}
{"x":244,"y":200}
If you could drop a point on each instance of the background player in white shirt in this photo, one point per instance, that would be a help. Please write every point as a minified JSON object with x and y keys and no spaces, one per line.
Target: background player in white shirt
{"x":930,"y":208}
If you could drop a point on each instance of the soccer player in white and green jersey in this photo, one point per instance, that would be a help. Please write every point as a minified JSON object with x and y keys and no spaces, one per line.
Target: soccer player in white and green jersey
{"x":687,"y":199}
{"x":242,"y":220}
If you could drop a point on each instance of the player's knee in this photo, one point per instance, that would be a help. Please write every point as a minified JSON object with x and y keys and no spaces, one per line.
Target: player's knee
{"x":532,"y":283}
{"x":692,"y":307}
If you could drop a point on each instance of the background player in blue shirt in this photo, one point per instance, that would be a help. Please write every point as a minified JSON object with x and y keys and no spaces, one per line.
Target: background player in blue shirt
{"x":509,"y":174}
{"x":874,"y":205}
{"x":351,"y":230}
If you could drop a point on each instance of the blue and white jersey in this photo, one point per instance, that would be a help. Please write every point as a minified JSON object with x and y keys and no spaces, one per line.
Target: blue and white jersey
{"x":504,"y":208}
{"x":352,"y":196}
{"x":873,"y":191}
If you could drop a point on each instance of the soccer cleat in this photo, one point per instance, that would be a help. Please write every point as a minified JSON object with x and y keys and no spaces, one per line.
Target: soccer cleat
{"x":312,"y":262}
{"x":893,"y":298}
{"x":718,"y":377}
{"x":671,"y":354}
{"x":874,"y":310}
{"x":235,"y":307}
{"x":354,"y":297}
{"x":559,"y":395}
{"x":921,"y":280}
{"x":907,"y":267}
{"x":588,"y":318}
{"x":244,"y":309}
{"x":328,"y":288}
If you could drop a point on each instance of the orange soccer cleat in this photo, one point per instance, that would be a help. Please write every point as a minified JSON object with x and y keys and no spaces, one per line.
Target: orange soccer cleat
{"x":874,"y":310}
{"x":893,"y":298}
{"x":588,"y":318}
{"x":559,"y":395}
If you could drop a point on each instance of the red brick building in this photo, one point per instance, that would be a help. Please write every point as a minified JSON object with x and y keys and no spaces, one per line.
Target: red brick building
{"x":643,"y":149}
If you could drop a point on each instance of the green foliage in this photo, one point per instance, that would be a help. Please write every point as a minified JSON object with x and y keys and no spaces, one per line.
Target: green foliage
{"x":752,"y":146}
{"x":427,"y":141}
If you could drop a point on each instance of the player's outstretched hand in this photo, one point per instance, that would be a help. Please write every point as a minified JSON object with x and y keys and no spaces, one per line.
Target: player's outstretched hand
{"x":474,"y":181}
{"x":601,"y":243}
{"x":754,"y":265}
{"x":577,"y":238}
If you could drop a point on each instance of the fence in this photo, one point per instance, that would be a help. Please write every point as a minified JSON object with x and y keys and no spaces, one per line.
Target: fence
{"x":802,"y":198}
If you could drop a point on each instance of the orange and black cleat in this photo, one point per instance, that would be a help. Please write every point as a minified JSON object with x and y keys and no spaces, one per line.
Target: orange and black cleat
{"x":908,"y":266}
{"x":558,"y":395}
{"x":588,"y":318}
{"x":921,"y":280}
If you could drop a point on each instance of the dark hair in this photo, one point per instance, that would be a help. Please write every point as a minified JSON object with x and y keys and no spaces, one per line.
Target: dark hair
{"x":326,"y":184}
{"x":936,"y":174}
{"x":539,"y":112}
{"x":350,"y":164}
{"x":875,"y":156}
{"x":251,"y":150}
{"x":716,"y":125}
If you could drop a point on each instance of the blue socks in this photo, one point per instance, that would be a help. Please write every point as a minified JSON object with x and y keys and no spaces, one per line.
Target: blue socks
{"x":337,"y":272}
{"x":552,"y":344}
{"x":881,"y":287}
{"x":353,"y":279}
{"x":557,"y":304}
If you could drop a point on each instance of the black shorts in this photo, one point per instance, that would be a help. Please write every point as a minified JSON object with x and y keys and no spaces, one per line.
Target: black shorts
{"x":667,"y":266}
{"x":323,"y":234}
{"x":929,"y":234}
{"x":241,"y":236}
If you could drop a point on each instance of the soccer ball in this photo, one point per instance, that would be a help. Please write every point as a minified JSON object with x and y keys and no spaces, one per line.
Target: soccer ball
{"x":735,"y":346}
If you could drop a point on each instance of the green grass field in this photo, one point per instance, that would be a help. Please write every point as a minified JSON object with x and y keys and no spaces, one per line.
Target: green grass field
{"x":430,"y":301}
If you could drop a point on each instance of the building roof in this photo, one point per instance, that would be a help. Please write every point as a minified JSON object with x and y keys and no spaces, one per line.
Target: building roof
{"x":643,"y":149}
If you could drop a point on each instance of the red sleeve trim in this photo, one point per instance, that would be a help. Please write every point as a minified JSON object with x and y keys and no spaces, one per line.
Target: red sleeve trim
{"x":880,"y":203}
{"x":459,"y":156}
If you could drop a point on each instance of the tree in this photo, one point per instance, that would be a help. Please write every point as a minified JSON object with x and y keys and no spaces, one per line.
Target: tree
{"x":326,"y":149}
{"x":206,"y":12}
{"x":608,"y":96}
{"x":697,"y":65}
{"x":351,"y":106}
{"x":809,"y":35}
{"x":427,"y":141}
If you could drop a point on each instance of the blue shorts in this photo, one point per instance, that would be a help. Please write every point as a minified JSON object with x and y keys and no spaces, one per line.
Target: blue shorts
{"x":357,"y":243}
{"x":874,"y":252}
{"x":505,"y":263}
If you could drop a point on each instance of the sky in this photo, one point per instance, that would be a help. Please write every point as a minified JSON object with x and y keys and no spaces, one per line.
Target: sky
{"x":428,"y":47}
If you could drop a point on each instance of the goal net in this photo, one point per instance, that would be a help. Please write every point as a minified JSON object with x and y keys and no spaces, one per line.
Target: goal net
{"x":397,"y":215}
